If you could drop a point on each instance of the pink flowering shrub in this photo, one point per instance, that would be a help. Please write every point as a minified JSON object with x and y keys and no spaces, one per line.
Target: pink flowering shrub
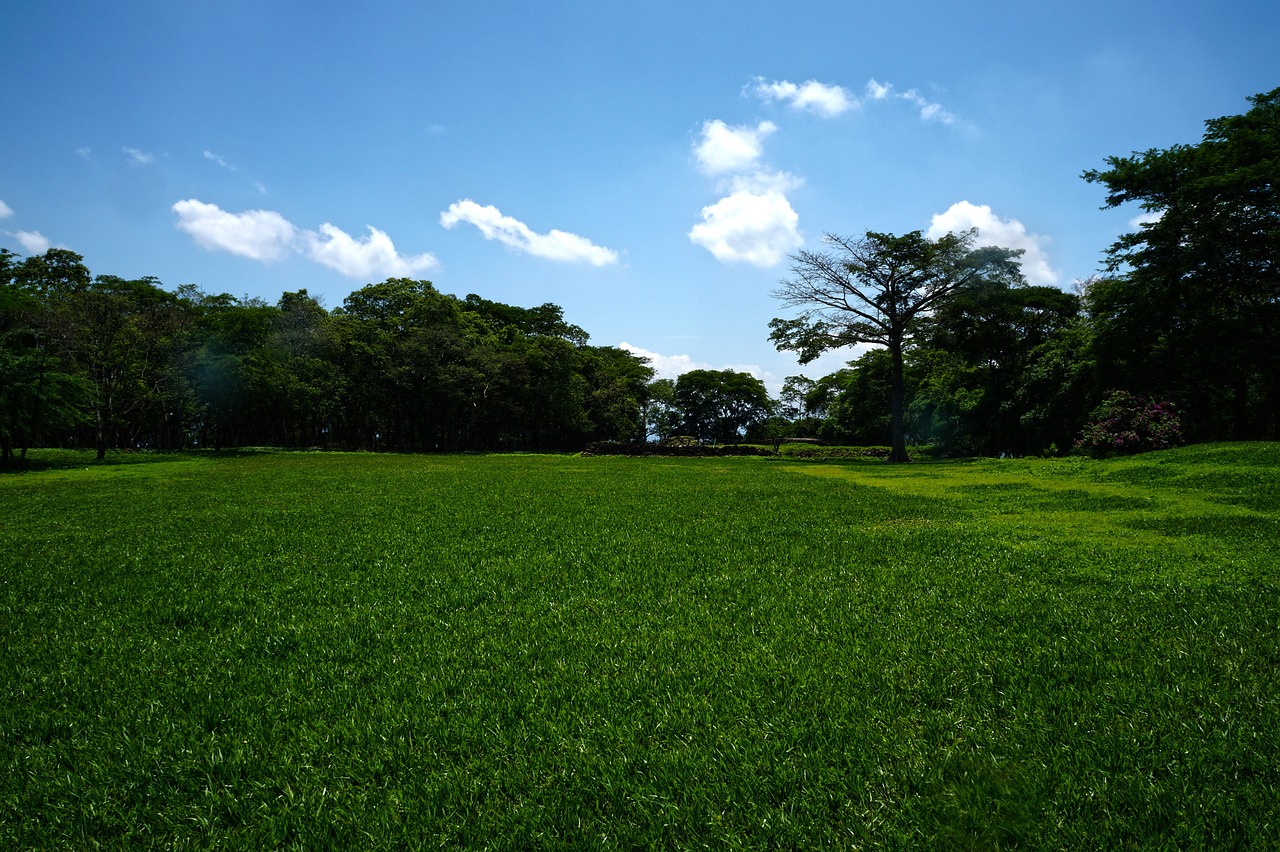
{"x":1124,"y":424}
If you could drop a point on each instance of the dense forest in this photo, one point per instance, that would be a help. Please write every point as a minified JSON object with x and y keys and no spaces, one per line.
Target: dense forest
{"x":1183,"y":323}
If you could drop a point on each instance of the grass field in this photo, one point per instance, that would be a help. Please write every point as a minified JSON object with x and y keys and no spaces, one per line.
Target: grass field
{"x":276,"y":650}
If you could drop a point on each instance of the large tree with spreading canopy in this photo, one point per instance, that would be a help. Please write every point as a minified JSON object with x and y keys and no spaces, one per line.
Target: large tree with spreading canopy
{"x":876,"y":289}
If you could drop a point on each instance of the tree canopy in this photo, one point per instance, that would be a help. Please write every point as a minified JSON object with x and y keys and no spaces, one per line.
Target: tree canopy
{"x":1191,"y":309}
{"x":107,"y":362}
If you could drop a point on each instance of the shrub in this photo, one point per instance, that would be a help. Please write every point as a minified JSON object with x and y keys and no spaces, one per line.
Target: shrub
{"x":1125,"y":424}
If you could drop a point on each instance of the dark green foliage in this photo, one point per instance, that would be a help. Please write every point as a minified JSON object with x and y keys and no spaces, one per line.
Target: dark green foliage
{"x":113,"y":363}
{"x":720,"y":406}
{"x":41,"y":394}
{"x":859,"y":402}
{"x":973,"y":368}
{"x":1194,"y":311}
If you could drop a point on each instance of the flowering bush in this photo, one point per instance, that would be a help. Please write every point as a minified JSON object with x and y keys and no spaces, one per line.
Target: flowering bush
{"x":1124,"y":424}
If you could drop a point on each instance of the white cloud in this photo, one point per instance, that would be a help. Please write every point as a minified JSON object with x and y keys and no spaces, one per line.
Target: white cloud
{"x":5,"y":210}
{"x":140,"y":158}
{"x":1149,"y":217}
{"x":256,"y":234}
{"x":878,"y":91}
{"x":373,"y":257}
{"x":209,"y":155}
{"x":722,"y":148}
{"x":759,"y":228}
{"x":265,"y":235}
{"x":665,"y":366}
{"x":672,"y":366}
{"x":762,"y":181}
{"x":32,"y":242}
{"x":554,"y":245}
{"x":994,"y":231}
{"x":85,"y":153}
{"x":929,"y":110}
{"x":821,"y":98}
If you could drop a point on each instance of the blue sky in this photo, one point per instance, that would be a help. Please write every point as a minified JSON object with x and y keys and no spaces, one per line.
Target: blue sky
{"x":648,"y":166}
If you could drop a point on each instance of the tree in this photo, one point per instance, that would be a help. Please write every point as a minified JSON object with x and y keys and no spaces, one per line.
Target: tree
{"x":1192,"y":310}
{"x":42,"y":394}
{"x":37,"y":396}
{"x":876,"y":289}
{"x":662,"y":415}
{"x":973,"y":358}
{"x":794,"y":406}
{"x":618,"y":383}
{"x":121,"y":336}
{"x":720,"y":405}
{"x":858,"y":402}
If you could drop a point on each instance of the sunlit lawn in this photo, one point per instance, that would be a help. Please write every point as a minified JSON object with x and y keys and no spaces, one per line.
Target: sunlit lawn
{"x":371,"y":651}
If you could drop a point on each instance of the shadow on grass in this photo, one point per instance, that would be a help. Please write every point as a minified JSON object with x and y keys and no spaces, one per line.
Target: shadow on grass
{"x":47,"y":460}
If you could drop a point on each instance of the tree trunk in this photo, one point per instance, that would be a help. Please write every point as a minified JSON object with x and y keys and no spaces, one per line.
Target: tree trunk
{"x":897,"y":407}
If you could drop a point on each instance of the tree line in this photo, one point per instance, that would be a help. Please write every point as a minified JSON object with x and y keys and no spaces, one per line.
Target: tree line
{"x":107,"y":362}
{"x":1179,"y":339}
{"x":966,"y":355}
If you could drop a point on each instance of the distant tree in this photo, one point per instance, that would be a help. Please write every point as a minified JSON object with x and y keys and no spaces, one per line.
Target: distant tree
{"x":720,"y":405}
{"x":1192,"y":308}
{"x":1058,"y":388}
{"x":793,"y":401}
{"x":617,"y":391}
{"x":876,"y":289}
{"x":662,"y":415}
{"x":121,"y":335}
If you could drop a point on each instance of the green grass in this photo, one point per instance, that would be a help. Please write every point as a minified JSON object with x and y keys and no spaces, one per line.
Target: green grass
{"x":276,"y":650}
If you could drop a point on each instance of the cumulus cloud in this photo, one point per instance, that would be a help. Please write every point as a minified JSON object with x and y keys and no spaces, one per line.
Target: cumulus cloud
{"x":32,"y":242}
{"x":374,"y":256}
{"x":822,"y":98}
{"x":929,"y":111}
{"x":266,"y":236}
{"x":722,"y":148}
{"x":665,"y":366}
{"x":759,"y":228}
{"x":256,"y":234}
{"x":672,"y":366}
{"x":754,"y":223}
{"x":553,"y":245}
{"x":994,"y":231}
{"x":137,"y":157}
